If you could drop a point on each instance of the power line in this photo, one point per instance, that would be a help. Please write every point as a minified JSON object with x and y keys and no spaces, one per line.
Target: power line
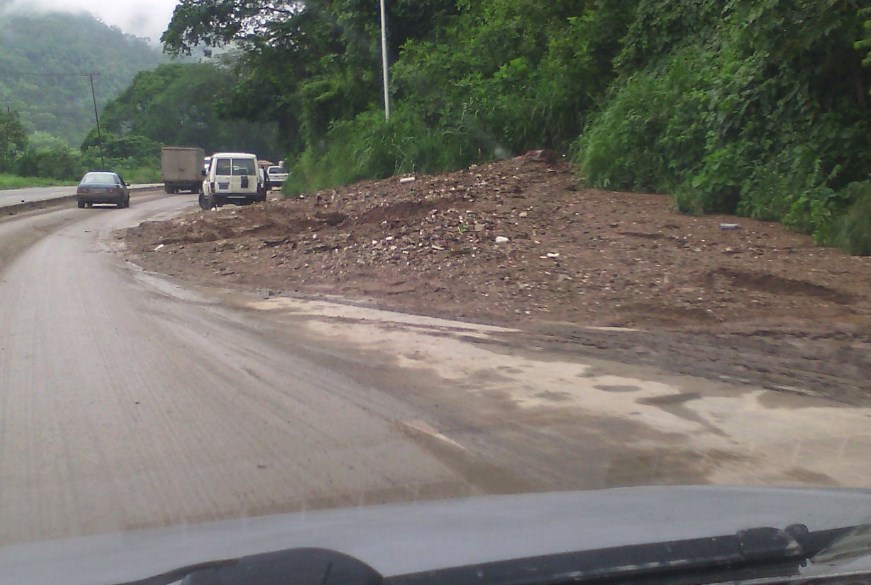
{"x":39,"y":74}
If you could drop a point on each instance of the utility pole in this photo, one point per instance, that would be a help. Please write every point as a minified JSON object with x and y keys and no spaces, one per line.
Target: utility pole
{"x":97,"y":118}
{"x":384,"y":62}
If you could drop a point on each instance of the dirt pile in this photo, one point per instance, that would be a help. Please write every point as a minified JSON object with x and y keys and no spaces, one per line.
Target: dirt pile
{"x":513,"y":240}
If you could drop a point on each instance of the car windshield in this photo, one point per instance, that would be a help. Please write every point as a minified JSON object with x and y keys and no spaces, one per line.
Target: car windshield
{"x":99,"y":179}
{"x":547,"y":276}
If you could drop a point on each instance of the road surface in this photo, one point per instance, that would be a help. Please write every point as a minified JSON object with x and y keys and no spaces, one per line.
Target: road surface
{"x":129,"y":401}
{"x":14,"y":197}
{"x":34,"y":194}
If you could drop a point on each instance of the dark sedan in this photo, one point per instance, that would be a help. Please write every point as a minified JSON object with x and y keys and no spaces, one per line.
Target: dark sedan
{"x":102,"y":187}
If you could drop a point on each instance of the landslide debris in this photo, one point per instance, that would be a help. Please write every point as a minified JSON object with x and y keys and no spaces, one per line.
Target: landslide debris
{"x":514,"y":240}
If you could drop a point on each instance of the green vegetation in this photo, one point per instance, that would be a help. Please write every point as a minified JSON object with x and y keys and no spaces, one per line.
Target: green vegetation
{"x":177,"y":104}
{"x":13,"y":140}
{"x":43,"y":57}
{"x":42,"y":61}
{"x":852,"y":230}
{"x":46,"y":95}
{"x":471,"y":80}
{"x":747,"y":107}
{"x":40,"y":156}
{"x":16,"y":182}
{"x":49,"y":157}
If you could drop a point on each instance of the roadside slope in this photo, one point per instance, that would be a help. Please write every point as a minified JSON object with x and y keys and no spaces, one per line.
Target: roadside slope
{"x":436,"y":245}
{"x":517,"y":243}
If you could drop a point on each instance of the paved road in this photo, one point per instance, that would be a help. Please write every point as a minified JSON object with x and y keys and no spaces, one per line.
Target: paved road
{"x":34,"y":194}
{"x":38,"y":194}
{"x":127,"y":401}
{"x":123,"y":406}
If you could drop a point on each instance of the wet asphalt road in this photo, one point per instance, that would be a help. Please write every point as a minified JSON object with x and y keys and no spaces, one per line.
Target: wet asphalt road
{"x":127,"y":401}
{"x":37,"y":195}
{"x":123,"y":406}
{"x":34,"y":194}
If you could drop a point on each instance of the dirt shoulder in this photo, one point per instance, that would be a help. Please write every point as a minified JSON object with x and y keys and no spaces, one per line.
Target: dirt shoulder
{"x":517,"y":242}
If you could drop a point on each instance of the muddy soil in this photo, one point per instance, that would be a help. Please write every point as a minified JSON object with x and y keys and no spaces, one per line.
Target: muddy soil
{"x":517,"y":242}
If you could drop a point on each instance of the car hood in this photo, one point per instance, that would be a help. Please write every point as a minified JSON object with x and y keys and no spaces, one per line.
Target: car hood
{"x":407,"y":538}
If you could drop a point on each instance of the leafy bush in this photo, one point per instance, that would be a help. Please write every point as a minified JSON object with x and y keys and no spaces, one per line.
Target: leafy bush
{"x":852,"y":230}
{"x":141,"y":174}
{"x":49,"y":157}
{"x":371,"y":147}
{"x":134,"y":157}
{"x":626,"y":145}
{"x":14,"y":140}
{"x":734,"y":120}
{"x":17,"y":182}
{"x":498,"y":79}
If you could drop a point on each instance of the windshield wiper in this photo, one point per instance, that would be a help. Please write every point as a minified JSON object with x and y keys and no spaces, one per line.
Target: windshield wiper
{"x":757,"y":553}
{"x":749,"y":554}
{"x":298,"y":566}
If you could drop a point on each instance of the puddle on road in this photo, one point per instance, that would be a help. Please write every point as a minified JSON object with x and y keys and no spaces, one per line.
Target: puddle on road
{"x":782,"y":441}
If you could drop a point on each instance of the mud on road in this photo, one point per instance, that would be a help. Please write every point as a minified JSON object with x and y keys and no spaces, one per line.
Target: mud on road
{"x":518,"y":243}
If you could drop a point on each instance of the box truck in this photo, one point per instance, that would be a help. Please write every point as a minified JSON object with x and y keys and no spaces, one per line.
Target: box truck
{"x":181,"y":168}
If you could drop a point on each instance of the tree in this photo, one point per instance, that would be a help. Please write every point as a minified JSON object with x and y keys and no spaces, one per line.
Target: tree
{"x":255,"y":24}
{"x":740,"y":106}
{"x":51,"y":157}
{"x":13,"y":139}
{"x":139,"y":149}
{"x":178,"y":103}
{"x":303,"y":65}
{"x":215,"y":23}
{"x":864,"y":43}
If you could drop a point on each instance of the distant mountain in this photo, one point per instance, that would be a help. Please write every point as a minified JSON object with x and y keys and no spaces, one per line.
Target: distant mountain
{"x":43,"y":61}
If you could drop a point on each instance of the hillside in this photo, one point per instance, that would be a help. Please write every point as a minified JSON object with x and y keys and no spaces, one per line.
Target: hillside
{"x":43,"y":57}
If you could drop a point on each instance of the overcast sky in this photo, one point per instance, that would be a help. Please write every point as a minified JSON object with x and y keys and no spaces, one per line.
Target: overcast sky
{"x":142,"y":18}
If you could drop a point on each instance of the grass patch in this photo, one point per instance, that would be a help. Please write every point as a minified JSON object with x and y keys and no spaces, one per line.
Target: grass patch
{"x":369,"y":147}
{"x":853,"y":228}
{"x":140,"y":175}
{"x":16,"y":182}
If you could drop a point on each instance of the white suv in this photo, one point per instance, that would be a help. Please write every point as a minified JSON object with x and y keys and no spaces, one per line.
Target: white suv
{"x":232,"y":177}
{"x":277,"y":175}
